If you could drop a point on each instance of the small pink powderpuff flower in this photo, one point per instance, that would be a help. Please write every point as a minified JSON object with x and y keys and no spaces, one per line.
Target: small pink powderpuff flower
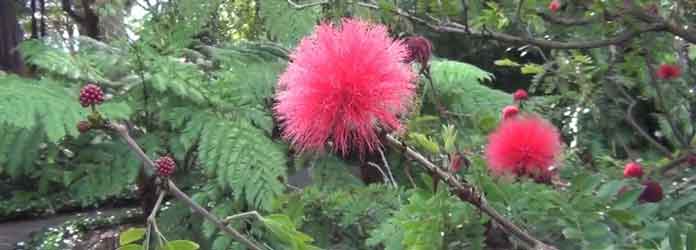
{"x":524,"y":146}
{"x":510,"y":111}
{"x":668,"y":71}
{"x":520,"y":95}
{"x":554,"y":5}
{"x":342,"y":85}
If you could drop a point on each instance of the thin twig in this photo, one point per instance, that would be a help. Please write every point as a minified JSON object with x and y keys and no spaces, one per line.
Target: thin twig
{"x":254,"y":214}
{"x":675,"y":163}
{"x":306,"y":5}
{"x":386,"y":165}
{"x":468,"y":193}
{"x":385,"y":177}
{"x":122,"y":131}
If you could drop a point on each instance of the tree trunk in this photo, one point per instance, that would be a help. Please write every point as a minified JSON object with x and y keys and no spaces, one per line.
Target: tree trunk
{"x":10,"y":36}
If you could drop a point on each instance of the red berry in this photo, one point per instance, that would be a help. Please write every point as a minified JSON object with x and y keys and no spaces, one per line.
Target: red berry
{"x":84,"y":126}
{"x":510,"y":111}
{"x":652,"y":192}
{"x":554,"y":5}
{"x":520,"y":95}
{"x":633,"y":170}
{"x":91,"y":94}
{"x":165,"y":166}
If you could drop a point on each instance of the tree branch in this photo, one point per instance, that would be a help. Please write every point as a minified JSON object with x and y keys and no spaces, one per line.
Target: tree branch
{"x":468,"y":193}
{"x":454,"y":27}
{"x":122,"y":131}
{"x":675,"y":163}
{"x":565,"y":20}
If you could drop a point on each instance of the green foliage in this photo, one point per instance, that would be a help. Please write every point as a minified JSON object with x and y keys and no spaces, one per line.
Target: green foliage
{"x":28,"y":104}
{"x":198,"y":83}
{"x":283,"y":228}
{"x":460,"y":86}
{"x":243,"y":160}
{"x":285,"y":24}
{"x":425,"y":222}
{"x":104,"y":170}
{"x":58,"y":61}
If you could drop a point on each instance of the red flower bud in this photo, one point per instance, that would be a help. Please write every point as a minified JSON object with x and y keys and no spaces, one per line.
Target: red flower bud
{"x":520,"y":95}
{"x":165,"y":166}
{"x":554,"y":5}
{"x":419,"y":49}
{"x":668,"y":71}
{"x":510,"y":111}
{"x":91,"y":94}
{"x":652,"y":192}
{"x":633,"y":170}
{"x":84,"y":126}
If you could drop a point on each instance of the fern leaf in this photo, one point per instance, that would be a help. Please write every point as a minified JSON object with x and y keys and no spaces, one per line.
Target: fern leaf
{"x":59,"y":62}
{"x":106,"y":169}
{"x":243,"y":160}
{"x":19,"y":148}
{"x":460,"y":83}
{"x":285,"y":23}
{"x":26,"y":104}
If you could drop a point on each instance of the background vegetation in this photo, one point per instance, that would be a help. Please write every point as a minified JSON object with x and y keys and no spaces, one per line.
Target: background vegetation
{"x":195,"y":80}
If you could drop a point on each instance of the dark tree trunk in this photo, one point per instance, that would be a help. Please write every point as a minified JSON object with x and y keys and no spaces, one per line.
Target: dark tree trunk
{"x":88,"y":20}
{"x":91,"y":20}
{"x":10,"y":36}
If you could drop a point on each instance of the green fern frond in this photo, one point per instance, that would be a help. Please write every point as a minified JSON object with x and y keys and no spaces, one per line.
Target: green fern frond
{"x":285,"y":23}
{"x":243,"y":160}
{"x":460,"y":85}
{"x":59,"y":62}
{"x":105,"y":169}
{"x":27,"y":104}
{"x":181,"y":79}
{"x":19,"y":147}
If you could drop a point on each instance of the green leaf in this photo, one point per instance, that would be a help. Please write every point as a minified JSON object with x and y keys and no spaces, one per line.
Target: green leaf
{"x":181,"y":245}
{"x":242,"y":158}
{"x":424,"y":142}
{"x":691,"y":240}
{"x":287,"y":24}
{"x":532,"y":69}
{"x":131,"y":235}
{"x":675,"y":237}
{"x":610,"y":189}
{"x":627,"y":199}
{"x":26,"y":104}
{"x":623,"y":216}
{"x":131,"y":247}
{"x":572,"y":233}
{"x":506,"y":62}
{"x":283,"y":228}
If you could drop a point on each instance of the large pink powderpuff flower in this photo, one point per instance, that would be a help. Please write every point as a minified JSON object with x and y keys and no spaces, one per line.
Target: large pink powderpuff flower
{"x":523,"y":146}
{"x":343,"y":84}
